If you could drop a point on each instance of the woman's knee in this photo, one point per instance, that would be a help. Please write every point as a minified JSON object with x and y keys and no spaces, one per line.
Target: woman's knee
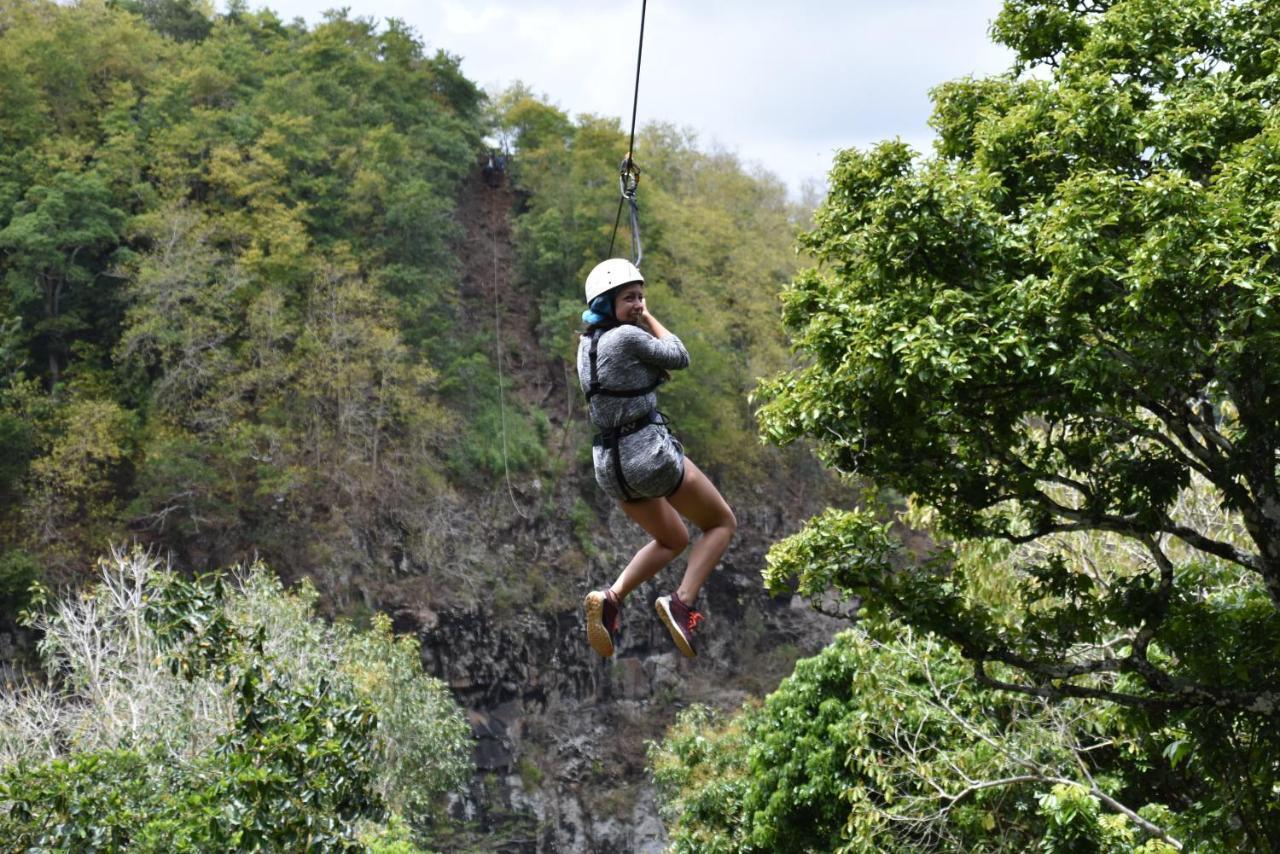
{"x":677,"y":539}
{"x":730,"y":521}
{"x":723,"y":521}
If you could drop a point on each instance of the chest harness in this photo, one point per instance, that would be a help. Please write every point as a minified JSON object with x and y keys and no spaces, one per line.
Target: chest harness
{"x":609,"y":438}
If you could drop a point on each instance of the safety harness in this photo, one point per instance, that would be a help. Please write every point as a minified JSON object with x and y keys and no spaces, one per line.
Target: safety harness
{"x":609,"y":438}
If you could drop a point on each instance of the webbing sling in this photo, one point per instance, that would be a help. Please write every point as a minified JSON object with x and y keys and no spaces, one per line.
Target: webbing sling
{"x":630,"y":174}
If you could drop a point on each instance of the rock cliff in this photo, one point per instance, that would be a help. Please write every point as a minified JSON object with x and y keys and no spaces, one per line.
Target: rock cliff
{"x":560,"y":733}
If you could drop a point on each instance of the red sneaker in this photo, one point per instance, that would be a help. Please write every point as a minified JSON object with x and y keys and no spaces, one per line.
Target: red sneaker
{"x":681,"y":620}
{"x":604,"y":622}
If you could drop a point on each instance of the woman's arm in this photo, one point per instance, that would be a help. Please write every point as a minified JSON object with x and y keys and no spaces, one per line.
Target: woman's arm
{"x":656,"y":328}
{"x":651,"y":342}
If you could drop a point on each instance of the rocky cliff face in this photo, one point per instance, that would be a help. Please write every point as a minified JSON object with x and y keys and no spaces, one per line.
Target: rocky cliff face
{"x":560,"y":733}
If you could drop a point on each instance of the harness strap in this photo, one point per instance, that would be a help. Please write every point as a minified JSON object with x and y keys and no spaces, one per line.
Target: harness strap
{"x":611,"y":440}
{"x":593,"y":384}
{"x":608,"y":436}
{"x":616,"y":453}
{"x":611,"y":437}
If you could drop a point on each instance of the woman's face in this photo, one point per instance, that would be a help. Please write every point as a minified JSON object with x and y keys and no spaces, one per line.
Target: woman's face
{"x":628,"y":305}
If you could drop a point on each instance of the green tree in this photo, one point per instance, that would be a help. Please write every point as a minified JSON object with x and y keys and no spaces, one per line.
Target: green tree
{"x":16,"y":439}
{"x":181,"y":20}
{"x":54,"y":243}
{"x":526,"y":123}
{"x":1062,"y":322}
{"x":71,"y":488}
{"x":886,"y":745}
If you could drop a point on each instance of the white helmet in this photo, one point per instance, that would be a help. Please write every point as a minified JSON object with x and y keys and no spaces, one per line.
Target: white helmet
{"x":611,"y":274}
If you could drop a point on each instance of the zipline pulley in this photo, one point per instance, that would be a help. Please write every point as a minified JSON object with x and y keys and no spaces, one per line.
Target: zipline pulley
{"x":628,"y":182}
{"x":628,"y":177}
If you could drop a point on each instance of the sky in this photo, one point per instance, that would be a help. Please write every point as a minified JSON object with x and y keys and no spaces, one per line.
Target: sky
{"x":783,"y":85}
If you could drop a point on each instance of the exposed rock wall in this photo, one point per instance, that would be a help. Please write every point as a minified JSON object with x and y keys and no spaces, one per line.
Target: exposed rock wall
{"x":560,"y":733}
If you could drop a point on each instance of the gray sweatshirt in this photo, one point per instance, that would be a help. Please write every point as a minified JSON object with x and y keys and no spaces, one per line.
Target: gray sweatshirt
{"x":628,"y":357}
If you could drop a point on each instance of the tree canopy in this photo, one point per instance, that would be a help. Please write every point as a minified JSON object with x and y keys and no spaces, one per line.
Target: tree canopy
{"x":222,"y":242}
{"x":1060,"y":325}
{"x":1065,"y":333}
{"x":888,"y":746}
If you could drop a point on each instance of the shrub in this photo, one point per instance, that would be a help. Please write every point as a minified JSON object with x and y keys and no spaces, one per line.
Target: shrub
{"x":18,"y":570}
{"x":263,"y":726}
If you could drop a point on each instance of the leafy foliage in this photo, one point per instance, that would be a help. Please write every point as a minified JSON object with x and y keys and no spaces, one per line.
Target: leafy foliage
{"x":236,"y":247}
{"x":18,"y":571}
{"x":1062,"y":323}
{"x":887,"y":746}
{"x":237,"y":719}
{"x":295,"y":773}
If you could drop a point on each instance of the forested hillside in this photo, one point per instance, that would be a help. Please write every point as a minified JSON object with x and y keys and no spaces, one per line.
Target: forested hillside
{"x":222,"y":261}
{"x":258,"y":304}
{"x":234,"y":320}
{"x":274,"y":344}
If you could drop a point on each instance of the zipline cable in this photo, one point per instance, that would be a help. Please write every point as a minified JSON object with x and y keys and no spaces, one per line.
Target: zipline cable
{"x":629,"y":175}
{"x":635,"y":99}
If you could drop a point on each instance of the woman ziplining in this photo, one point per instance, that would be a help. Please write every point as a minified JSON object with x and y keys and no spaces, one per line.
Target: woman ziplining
{"x":623,"y":356}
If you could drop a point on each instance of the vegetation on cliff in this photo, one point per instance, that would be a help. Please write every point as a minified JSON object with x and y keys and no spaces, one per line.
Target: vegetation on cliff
{"x":240,"y":316}
{"x":232,"y":319}
{"x":1056,"y":338}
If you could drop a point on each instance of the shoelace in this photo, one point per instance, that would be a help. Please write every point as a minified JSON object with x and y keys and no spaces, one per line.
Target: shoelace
{"x":695,"y":617}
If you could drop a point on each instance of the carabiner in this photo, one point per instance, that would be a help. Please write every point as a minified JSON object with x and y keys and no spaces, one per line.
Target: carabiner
{"x":628,"y":177}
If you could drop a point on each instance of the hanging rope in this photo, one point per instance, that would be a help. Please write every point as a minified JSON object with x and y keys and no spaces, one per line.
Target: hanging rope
{"x":629,"y":173}
{"x":497,"y":346}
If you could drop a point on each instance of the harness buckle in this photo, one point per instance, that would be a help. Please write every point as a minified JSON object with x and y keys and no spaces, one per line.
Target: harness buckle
{"x":610,"y":437}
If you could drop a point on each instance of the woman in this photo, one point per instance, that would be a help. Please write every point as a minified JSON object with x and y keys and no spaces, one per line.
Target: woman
{"x":623,"y":356}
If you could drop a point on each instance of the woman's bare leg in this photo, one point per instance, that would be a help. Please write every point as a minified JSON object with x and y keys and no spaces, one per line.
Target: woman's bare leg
{"x":699,"y":501}
{"x":670,"y":537}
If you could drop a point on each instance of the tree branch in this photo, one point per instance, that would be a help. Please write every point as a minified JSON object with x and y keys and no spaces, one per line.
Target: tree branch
{"x":1217,"y":548}
{"x":1039,"y":772}
{"x":1127,"y":525}
{"x":1052,"y":693}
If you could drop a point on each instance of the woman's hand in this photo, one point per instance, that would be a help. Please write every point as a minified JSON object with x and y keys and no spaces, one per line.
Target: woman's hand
{"x":651,"y":323}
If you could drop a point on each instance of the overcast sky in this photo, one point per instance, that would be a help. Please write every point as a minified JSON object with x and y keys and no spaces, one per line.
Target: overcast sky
{"x":783,"y":85}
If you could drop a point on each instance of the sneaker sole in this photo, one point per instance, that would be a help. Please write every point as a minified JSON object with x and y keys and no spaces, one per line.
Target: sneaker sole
{"x":597,"y":634}
{"x":664,"y":611}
